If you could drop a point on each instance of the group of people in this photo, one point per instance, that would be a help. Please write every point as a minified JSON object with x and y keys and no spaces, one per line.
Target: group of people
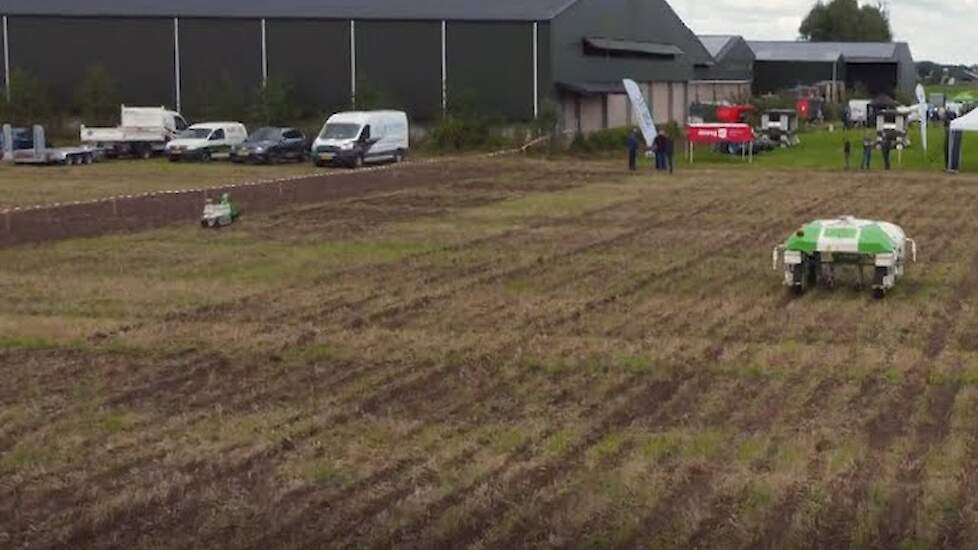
{"x":869,"y":144}
{"x":662,"y":146}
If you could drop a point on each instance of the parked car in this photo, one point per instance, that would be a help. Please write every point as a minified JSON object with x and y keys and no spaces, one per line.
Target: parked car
{"x":207,"y":141}
{"x":272,"y":145}
{"x":143,"y":131}
{"x":358,"y":137}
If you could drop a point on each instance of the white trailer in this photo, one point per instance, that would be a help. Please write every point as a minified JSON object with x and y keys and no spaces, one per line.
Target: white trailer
{"x":143,"y":131}
{"x":41,"y":154}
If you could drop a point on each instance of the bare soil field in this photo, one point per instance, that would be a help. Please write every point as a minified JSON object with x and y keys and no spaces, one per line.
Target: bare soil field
{"x":31,"y":185}
{"x":513,"y":354}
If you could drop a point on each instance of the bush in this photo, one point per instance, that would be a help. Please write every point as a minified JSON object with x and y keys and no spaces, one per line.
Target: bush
{"x":457,"y":133}
{"x":274,"y":104}
{"x":97,"y":100}
{"x":222,"y":100}
{"x":614,"y":139}
{"x":370,"y":97}
{"x":28,"y":103}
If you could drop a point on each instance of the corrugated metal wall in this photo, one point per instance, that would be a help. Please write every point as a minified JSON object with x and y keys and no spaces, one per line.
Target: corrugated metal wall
{"x":401,"y":60}
{"x":492,"y":64}
{"x":396,"y":61}
{"x":138,"y":53}
{"x":314,"y":57}
{"x":773,"y":76}
{"x":215,"y":50}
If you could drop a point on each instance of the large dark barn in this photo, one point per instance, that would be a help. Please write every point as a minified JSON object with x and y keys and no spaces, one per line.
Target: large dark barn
{"x":511,"y":58}
{"x":873,"y":67}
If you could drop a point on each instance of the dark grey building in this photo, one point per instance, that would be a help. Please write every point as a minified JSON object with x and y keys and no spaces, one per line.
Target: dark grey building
{"x":730,"y":74}
{"x":878,"y":67}
{"x":511,"y":58}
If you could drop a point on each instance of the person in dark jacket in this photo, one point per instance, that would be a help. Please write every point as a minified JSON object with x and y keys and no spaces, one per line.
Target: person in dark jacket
{"x":670,"y":151}
{"x":632,"y":150}
{"x":886,"y":146}
{"x":659,"y":145}
{"x":847,"y":151}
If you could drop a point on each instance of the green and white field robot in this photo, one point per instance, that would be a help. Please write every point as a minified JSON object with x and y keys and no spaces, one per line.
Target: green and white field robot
{"x":219,"y":214}
{"x":813,"y":253}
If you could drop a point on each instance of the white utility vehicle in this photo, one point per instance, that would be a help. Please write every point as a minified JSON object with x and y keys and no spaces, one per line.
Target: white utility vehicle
{"x":207,"y":141}
{"x":358,"y":137}
{"x":143,"y":131}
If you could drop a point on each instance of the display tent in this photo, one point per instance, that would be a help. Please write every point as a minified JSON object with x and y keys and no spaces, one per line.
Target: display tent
{"x":966,"y":123}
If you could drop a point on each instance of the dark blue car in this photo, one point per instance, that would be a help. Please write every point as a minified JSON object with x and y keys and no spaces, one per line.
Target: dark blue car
{"x":272,"y":145}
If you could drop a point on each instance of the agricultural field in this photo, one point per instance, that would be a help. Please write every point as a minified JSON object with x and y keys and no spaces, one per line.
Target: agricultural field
{"x":517,"y":353}
{"x":31,"y":185}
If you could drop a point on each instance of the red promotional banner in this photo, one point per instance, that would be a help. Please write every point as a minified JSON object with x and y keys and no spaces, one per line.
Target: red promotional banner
{"x":717,"y":133}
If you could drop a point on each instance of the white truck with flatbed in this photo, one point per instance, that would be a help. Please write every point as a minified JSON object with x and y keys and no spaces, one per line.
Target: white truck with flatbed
{"x":143,"y":132}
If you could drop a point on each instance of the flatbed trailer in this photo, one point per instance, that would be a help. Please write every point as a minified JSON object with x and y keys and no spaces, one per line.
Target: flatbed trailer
{"x":41,"y":154}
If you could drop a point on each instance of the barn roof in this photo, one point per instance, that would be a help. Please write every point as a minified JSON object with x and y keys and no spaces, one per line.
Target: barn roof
{"x":826,"y":52}
{"x":477,"y":10}
{"x":717,"y":44}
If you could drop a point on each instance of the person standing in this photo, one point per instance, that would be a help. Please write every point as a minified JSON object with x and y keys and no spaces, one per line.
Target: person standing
{"x":670,"y":151}
{"x":867,"y":153}
{"x":633,"y":150}
{"x":847,"y":151}
{"x":659,"y":148}
{"x":885,"y":146}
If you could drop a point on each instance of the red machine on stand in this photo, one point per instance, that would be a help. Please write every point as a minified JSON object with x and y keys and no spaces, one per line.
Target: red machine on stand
{"x":733,"y":114}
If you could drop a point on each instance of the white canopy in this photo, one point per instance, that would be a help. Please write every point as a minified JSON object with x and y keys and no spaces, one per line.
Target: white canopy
{"x":967,"y":123}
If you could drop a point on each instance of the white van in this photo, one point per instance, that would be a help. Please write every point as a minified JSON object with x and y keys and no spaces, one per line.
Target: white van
{"x":357,"y":137}
{"x":207,"y":141}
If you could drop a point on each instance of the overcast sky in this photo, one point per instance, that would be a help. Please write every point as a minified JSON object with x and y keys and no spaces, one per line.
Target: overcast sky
{"x":937,"y":30}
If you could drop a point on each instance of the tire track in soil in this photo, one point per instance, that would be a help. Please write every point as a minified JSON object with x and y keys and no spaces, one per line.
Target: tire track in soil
{"x":695,"y":483}
{"x":223,"y":310}
{"x":631,"y":397}
{"x":307,"y":501}
{"x":775,"y":528}
{"x":571,"y":460}
{"x":246,"y":465}
{"x":897,"y":520}
{"x":242,"y":467}
{"x":385,"y":500}
{"x":722,"y":504}
{"x":646,"y":224}
{"x":677,"y":268}
{"x":882,"y":430}
{"x":530,"y":525}
{"x":458,"y":247}
{"x":393,"y":313}
{"x":897,"y":523}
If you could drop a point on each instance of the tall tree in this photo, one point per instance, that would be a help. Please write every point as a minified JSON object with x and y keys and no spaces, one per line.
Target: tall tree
{"x":846,"y":21}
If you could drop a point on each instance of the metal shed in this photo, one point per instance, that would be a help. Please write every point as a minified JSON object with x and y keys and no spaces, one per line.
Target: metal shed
{"x":880,"y":67}
{"x":512,"y":57}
